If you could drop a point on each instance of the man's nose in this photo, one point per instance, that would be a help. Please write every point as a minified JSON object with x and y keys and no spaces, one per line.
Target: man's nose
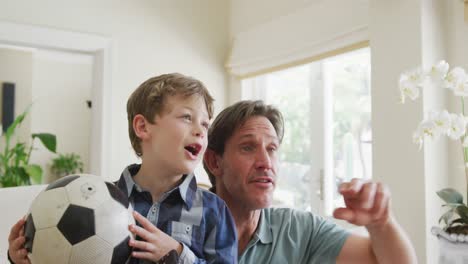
{"x":263,"y":160}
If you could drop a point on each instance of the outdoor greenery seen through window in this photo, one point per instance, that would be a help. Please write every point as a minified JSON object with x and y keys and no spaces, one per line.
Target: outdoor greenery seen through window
{"x":326,"y":105}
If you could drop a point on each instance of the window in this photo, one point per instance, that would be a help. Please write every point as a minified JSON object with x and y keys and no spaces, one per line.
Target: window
{"x":326,"y":105}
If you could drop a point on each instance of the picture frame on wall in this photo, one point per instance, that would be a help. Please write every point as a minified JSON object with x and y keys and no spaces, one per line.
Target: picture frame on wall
{"x":7,"y":110}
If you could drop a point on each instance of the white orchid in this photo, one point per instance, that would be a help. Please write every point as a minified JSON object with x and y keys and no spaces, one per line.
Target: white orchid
{"x":442,"y":122}
{"x":438,"y":71}
{"x":408,"y":89}
{"x":410,"y":83}
{"x":426,"y":128}
{"x":437,"y":123}
{"x":461,"y":87}
{"x":454,"y":77}
{"x":416,"y":76}
{"x":457,"y":126}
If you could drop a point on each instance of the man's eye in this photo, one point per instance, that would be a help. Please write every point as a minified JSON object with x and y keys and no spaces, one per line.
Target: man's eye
{"x":273,"y":149}
{"x":247,"y":148}
{"x":205,"y":125}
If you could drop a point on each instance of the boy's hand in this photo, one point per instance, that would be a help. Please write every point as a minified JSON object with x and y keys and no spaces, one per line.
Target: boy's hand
{"x":367,"y":203}
{"x":156,"y":243}
{"x":16,"y":239}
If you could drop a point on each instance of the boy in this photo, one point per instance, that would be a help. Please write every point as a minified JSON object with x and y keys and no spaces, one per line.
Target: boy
{"x":168,"y":118}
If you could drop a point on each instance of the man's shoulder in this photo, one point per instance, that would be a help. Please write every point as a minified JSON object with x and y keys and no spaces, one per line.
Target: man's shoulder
{"x":290,"y":217}
{"x":284,"y":212}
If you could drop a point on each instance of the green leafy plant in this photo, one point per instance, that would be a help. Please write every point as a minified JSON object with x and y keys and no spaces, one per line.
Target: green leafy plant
{"x":65,"y":164}
{"x":15,"y":169}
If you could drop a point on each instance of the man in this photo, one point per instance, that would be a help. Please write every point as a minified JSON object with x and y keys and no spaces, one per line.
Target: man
{"x":242,"y":163}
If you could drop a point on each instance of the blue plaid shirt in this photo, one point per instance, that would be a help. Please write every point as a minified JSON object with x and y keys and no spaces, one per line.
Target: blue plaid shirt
{"x":197,"y":218}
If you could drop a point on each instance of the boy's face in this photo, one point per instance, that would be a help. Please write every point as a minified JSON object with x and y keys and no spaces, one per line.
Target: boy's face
{"x":178,"y":137}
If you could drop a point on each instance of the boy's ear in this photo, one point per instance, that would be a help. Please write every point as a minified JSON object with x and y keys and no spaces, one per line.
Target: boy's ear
{"x":140,"y":126}
{"x":213,"y":162}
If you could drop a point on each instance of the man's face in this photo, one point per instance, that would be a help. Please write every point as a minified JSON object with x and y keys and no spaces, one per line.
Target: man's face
{"x":248,"y":167}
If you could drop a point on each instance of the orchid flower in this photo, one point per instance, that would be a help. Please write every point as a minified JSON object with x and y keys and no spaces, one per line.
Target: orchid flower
{"x":438,"y":72}
{"x":454,"y":77}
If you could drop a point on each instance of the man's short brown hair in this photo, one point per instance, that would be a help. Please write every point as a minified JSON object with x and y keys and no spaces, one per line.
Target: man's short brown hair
{"x":150,"y":97}
{"x":232,"y":118}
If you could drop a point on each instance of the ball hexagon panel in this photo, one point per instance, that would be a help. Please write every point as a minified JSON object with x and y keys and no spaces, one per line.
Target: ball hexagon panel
{"x":88,"y":191}
{"x":48,"y":207}
{"x":92,"y":251}
{"x":50,"y":246}
{"x":117,"y":230}
{"x":121,"y":252}
{"x":62,"y":182}
{"x":77,"y":224}
{"x":117,"y":194}
{"x":29,"y":232}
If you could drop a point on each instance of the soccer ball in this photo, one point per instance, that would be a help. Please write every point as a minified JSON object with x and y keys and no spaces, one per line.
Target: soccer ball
{"x":79,"y":219}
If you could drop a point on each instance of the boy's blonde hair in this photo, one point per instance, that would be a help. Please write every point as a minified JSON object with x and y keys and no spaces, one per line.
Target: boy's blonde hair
{"x":150,"y":97}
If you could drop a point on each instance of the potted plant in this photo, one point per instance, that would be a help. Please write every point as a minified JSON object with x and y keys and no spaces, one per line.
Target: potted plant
{"x":65,"y":164}
{"x":15,"y":169}
{"x":453,"y":236}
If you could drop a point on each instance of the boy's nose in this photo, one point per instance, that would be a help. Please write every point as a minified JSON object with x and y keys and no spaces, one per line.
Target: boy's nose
{"x":198,"y":131}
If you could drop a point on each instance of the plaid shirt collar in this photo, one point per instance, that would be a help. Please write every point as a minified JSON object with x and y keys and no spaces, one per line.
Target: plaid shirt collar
{"x":186,"y":189}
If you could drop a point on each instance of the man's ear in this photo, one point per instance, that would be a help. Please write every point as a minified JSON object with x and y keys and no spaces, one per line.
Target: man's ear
{"x":212,"y":162}
{"x":140,"y":126}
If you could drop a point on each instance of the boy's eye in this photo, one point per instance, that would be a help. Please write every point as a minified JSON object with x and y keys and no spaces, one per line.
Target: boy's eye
{"x":187,"y":117}
{"x":205,"y":125}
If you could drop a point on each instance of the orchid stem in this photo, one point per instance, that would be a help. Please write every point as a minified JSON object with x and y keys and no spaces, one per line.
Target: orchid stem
{"x":464,"y":149}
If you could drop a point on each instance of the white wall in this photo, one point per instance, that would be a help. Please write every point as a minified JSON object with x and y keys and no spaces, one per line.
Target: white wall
{"x":16,"y":67}
{"x":148,"y":38}
{"x":246,"y":15}
{"x":397,"y":161}
{"x":62,"y":83}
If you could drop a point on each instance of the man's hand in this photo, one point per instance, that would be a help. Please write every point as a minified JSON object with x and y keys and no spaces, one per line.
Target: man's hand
{"x":156,"y":243}
{"x":16,"y":239}
{"x":367,"y":203}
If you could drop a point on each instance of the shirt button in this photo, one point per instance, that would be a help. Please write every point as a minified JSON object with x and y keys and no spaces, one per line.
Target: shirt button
{"x":154,"y":209}
{"x":187,"y":228}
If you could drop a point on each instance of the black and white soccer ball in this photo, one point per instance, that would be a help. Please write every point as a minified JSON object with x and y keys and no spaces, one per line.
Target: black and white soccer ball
{"x":79,"y":219}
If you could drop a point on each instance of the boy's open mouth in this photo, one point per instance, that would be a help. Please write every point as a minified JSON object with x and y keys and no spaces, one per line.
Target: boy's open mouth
{"x":193,"y":148}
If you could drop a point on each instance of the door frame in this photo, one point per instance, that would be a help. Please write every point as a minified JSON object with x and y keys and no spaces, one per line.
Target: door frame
{"x":97,"y":46}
